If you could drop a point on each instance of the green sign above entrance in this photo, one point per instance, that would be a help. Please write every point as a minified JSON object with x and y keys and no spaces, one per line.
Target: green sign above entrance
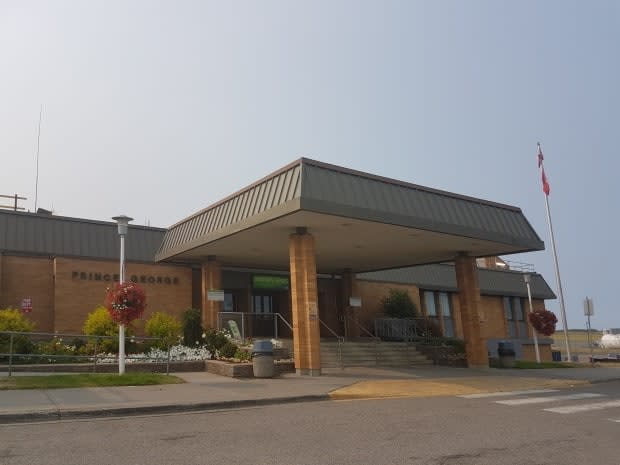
{"x":261,"y":281}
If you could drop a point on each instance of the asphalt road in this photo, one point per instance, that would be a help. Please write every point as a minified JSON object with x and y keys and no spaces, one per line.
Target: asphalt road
{"x":508,"y":429}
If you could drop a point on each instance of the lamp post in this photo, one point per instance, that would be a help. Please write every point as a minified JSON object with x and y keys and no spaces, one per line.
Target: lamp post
{"x":527,"y":277}
{"x":123,"y":227}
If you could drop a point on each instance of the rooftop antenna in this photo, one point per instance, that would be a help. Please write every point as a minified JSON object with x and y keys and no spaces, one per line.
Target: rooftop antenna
{"x":36,"y":184}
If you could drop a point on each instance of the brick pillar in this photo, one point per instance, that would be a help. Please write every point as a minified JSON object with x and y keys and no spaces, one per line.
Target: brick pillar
{"x":305,"y":312}
{"x":469,"y":304}
{"x":211,"y":279}
{"x":351,"y":324}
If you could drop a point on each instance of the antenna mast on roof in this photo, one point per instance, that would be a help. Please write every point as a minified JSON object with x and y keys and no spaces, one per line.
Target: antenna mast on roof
{"x":36,"y":184}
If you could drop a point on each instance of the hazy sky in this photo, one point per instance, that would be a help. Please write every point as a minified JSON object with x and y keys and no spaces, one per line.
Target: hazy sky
{"x":157,"y":109}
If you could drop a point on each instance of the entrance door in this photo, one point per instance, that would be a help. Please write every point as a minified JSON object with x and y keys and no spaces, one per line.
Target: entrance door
{"x":262,"y":303}
{"x":263,"y":318}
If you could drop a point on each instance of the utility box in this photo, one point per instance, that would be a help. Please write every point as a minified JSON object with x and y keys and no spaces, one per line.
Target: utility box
{"x":506,"y":353}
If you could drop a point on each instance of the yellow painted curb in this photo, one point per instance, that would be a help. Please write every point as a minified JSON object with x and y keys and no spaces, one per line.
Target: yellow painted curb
{"x":446,"y":387}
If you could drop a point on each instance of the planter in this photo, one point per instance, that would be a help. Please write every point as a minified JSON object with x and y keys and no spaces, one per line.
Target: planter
{"x":244,"y":370}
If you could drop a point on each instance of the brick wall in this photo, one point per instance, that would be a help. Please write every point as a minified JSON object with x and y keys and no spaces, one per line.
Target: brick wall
{"x":81,"y":286}
{"x":373,"y":293}
{"x":493,"y":322}
{"x":25,"y":277}
{"x":529,"y":352}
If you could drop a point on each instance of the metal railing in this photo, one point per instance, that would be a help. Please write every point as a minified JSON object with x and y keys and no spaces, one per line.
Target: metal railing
{"x":376,"y":340}
{"x":340,"y":340}
{"x":406,"y":329}
{"x":31,"y":346}
{"x":364,"y":329}
{"x":245,"y":325}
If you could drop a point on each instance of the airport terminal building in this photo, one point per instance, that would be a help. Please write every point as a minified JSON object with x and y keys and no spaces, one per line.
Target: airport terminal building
{"x":309,"y":251}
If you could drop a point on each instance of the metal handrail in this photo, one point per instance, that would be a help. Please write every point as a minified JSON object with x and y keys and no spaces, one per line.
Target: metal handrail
{"x":242,"y":317}
{"x":377,"y":339}
{"x":340,"y":340}
{"x":285,"y":321}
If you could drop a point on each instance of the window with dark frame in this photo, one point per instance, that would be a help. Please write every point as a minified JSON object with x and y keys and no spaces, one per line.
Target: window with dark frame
{"x":229,"y":302}
{"x":438,"y":308}
{"x":515,"y":317}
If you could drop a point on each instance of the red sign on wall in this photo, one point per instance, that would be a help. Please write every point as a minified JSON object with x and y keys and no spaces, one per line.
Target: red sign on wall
{"x":27,"y":305}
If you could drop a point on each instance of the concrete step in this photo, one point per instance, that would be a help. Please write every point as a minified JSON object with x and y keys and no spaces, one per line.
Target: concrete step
{"x":369,"y":353}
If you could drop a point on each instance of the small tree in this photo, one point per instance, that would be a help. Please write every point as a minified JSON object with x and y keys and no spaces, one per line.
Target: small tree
{"x":192,"y":328}
{"x":164,"y":326}
{"x":398,"y":304}
{"x":99,"y":323}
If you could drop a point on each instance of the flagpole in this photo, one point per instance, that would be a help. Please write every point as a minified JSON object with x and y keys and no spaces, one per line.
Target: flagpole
{"x":555,"y":261}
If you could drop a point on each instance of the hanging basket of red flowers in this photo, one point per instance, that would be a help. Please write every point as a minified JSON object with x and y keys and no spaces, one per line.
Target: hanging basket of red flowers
{"x":125,"y":302}
{"x":543,"y":321}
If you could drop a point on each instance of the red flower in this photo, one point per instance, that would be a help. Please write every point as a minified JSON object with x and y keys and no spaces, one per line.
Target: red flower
{"x":543,"y":321}
{"x":125,"y":302}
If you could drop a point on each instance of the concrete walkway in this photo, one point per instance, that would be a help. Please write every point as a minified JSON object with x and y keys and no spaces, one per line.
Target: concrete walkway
{"x":204,"y":391}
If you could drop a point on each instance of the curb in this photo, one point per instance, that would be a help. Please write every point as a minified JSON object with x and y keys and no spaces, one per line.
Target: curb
{"x":59,"y":415}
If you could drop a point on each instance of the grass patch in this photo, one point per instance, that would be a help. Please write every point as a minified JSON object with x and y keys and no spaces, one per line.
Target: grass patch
{"x":527,"y":365}
{"x":85,"y":380}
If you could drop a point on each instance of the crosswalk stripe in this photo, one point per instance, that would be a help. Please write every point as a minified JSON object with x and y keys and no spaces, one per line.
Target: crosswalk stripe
{"x":614,"y":420}
{"x":585,"y":407}
{"x":506,"y":393}
{"x":541,"y":400}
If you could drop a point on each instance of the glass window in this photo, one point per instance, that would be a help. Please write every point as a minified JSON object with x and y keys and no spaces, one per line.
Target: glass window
{"x":263,"y":304}
{"x":517,"y":306}
{"x":512,"y":326}
{"x":446,"y":314}
{"x":516,"y":309}
{"x":507,"y":308}
{"x":229,"y":302}
{"x":429,"y":303}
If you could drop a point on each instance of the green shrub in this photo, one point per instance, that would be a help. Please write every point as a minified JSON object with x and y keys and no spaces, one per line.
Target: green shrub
{"x":99,"y":323}
{"x":243,"y":355}
{"x":398,"y":304}
{"x":228,"y":350}
{"x":214,"y":340}
{"x":458,"y":345}
{"x":14,"y":320}
{"x":192,"y":327}
{"x":164,"y":326}
{"x":427,"y":328}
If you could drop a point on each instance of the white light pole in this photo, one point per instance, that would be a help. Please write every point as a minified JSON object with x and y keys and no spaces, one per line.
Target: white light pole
{"x":527,"y":277}
{"x":123,"y":227}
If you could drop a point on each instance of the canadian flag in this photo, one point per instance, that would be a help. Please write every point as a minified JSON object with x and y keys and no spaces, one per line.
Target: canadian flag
{"x":545,"y":181}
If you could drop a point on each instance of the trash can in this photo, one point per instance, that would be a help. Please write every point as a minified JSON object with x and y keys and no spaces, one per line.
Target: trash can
{"x":506,"y":353}
{"x":262,"y":359}
{"x":556,"y":355}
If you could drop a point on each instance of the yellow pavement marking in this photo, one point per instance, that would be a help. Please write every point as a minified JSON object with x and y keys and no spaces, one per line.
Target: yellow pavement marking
{"x":446,"y":387}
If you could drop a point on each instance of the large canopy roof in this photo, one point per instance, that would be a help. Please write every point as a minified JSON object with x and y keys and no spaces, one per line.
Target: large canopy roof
{"x":360,"y":221}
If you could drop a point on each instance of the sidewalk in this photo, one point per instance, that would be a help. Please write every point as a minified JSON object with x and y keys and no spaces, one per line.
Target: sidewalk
{"x":204,"y":391}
